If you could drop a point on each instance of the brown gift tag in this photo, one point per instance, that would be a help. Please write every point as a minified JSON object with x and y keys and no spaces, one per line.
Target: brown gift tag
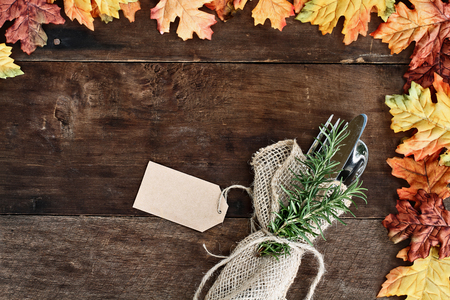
{"x":180,"y":198}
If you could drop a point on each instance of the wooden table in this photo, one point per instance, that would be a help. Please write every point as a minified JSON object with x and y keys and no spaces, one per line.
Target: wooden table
{"x":78,"y":129}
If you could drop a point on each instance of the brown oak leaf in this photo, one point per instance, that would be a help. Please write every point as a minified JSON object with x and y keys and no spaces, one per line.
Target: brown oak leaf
{"x":424,"y":74}
{"x":29,"y":15}
{"x":427,"y":226}
{"x":426,"y":174}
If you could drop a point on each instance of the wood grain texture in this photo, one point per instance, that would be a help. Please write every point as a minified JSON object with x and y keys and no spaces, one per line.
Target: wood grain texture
{"x":237,"y":40}
{"x":53,"y":257}
{"x":76,"y":137}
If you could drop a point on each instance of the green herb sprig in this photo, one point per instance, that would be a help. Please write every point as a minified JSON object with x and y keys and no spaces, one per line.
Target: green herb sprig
{"x":314,"y":199}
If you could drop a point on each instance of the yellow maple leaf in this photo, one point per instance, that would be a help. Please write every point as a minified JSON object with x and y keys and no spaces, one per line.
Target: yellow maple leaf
{"x":427,"y":278}
{"x":7,"y":66}
{"x":109,"y":7}
{"x":81,"y":11}
{"x":432,"y":120}
{"x":326,"y":14}
{"x":191,"y":18}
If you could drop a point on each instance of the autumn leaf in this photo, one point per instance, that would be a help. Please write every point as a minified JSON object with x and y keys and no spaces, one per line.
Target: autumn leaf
{"x":298,"y":5}
{"x":81,"y":11}
{"x":425,"y":174}
{"x":426,"y":279}
{"x":129,"y":9}
{"x":427,"y":24}
{"x":326,"y":14}
{"x":191,"y":18}
{"x":29,"y":15}
{"x":424,"y":74}
{"x":275,"y":10}
{"x":428,"y":225}
{"x":7,"y":66}
{"x":224,"y":8}
{"x":432,"y":120}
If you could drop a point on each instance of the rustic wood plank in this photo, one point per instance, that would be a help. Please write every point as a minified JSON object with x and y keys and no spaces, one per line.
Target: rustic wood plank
{"x":237,"y":40}
{"x":77,"y":137}
{"x":49,"y":257}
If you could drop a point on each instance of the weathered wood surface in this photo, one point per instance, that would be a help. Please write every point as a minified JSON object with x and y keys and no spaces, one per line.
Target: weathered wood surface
{"x":236,"y":40}
{"x":93,"y":107}
{"x":50,"y":257}
{"x":77,"y":137}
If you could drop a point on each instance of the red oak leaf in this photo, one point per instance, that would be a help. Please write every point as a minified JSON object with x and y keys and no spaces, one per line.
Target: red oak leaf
{"x":424,"y":74}
{"x":426,"y":174}
{"x":428,"y":225}
{"x":29,"y":16}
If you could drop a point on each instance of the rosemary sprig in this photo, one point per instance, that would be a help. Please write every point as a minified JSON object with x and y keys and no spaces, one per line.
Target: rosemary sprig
{"x":314,"y":199}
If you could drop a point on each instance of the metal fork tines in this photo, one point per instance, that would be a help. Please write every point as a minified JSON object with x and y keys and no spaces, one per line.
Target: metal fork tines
{"x":316,"y":146}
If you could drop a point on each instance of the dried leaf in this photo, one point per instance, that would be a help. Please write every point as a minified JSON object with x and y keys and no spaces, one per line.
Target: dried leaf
{"x":108,"y":7}
{"x":29,"y":15}
{"x":299,"y":4}
{"x":7,"y":66}
{"x":426,"y":279}
{"x":81,"y":11}
{"x":427,"y":24}
{"x":424,"y":74}
{"x":432,"y":120}
{"x":224,"y":8}
{"x":428,"y":225}
{"x":130,"y":9}
{"x":326,"y":14}
{"x":191,"y":18}
{"x":425,"y":174}
{"x":275,"y":10}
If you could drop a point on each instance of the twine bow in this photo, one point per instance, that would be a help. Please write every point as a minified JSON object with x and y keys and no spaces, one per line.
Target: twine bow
{"x":268,"y":236}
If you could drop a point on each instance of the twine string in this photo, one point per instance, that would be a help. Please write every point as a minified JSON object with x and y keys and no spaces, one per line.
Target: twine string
{"x":270,"y":237}
{"x":224,"y":194}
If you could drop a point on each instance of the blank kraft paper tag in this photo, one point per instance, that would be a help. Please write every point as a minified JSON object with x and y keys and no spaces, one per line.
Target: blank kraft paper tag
{"x":180,"y":198}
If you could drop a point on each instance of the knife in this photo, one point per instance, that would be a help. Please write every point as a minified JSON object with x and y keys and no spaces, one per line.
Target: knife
{"x":354,"y":130}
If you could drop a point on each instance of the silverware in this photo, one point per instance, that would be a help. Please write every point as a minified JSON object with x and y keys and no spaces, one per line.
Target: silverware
{"x":353,"y":153}
{"x":356,"y":164}
{"x":354,"y":130}
{"x":316,"y":146}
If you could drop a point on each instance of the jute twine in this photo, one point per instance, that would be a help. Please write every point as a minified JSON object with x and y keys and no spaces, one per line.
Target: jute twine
{"x":245,"y":275}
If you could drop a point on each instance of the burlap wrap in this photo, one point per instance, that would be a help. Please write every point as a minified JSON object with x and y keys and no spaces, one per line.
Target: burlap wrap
{"x":246,"y":275}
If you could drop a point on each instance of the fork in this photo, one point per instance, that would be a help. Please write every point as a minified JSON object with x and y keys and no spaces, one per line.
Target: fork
{"x":357,"y":160}
{"x":317,"y":141}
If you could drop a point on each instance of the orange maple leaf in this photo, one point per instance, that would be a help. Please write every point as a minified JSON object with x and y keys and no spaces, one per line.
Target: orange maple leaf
{"x":130,"y":9}
{"x":81,"y":11}
{"x":29,"y":16}
{"x":191,"y":18}
{"x":275,"y":10}
{"x":432,"y":120}
{"x":427,"y":24}
{"x":425,"y":174}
